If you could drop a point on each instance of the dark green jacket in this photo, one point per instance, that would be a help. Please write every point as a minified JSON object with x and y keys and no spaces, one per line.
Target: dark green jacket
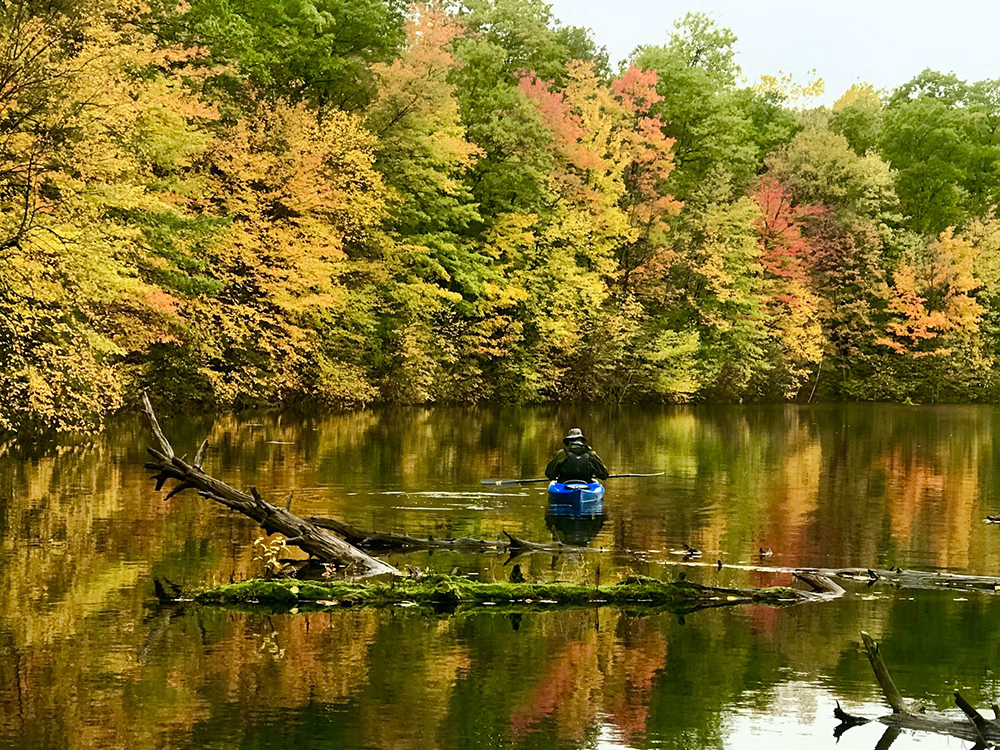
{"x":576,"y":461}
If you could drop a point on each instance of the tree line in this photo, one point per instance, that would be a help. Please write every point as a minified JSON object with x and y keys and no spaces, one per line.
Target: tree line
{"x":249,"y":203}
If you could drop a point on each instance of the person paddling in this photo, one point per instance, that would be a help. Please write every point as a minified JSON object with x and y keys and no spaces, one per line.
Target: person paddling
{"x":576,"y":460}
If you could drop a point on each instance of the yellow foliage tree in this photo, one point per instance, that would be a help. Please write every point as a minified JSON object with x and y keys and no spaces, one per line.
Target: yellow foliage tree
{"x":305,"y":202}
{"x":75,"y":168}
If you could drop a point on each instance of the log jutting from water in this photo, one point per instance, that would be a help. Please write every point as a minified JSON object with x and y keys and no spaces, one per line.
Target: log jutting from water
{"x":909,"y":715}
{"x":315,"y":541}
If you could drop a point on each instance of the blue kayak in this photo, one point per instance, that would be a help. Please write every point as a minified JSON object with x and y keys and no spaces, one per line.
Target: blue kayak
{"x":575,"y":497}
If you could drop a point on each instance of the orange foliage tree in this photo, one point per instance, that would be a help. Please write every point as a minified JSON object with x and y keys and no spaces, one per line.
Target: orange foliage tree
{"x":791,"y":305}
{"x":934,"y":315}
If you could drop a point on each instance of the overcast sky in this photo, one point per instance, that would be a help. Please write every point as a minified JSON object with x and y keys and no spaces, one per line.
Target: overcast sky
{"x":845,"y":41}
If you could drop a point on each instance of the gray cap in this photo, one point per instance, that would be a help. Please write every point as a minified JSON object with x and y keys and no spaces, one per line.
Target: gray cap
{"x":574,"y":435}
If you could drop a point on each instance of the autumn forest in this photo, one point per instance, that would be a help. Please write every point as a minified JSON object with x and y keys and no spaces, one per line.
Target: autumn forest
{"x":259,"y":203}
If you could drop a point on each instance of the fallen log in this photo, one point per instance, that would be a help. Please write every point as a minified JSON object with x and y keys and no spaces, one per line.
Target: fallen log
{"x":315,"y":541}
{"x":403,"y":542}
{"x":910,"y":715}
{"x":450,"y":592}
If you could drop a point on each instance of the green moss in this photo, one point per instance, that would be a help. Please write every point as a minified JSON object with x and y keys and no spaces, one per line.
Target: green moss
{"x":448,"y":592}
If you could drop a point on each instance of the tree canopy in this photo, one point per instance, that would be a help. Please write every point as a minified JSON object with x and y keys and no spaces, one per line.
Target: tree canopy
{"x":273,"y":202}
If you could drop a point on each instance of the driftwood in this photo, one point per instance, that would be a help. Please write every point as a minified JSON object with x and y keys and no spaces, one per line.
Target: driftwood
{"x":909,"y":715}
{"x":404,"y":543}
{"x":299,"y":532}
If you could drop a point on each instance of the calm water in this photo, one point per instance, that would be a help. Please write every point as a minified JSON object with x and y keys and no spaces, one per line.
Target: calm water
{"x":87,"y":661}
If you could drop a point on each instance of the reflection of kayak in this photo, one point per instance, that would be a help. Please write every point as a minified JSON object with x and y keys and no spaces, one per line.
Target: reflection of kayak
{"x":576,"y":498}
{"x":578,"y":530}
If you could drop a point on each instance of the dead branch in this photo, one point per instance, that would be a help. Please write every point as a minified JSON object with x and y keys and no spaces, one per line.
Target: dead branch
{"x":312,"y":539}
{"x":909,"y":715}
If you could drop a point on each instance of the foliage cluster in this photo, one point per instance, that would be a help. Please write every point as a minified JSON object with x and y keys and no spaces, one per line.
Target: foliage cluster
{"x":280,"y":202}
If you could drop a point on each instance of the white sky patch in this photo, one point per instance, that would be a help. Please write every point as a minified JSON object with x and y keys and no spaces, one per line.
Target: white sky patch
{"x":845,"y":41}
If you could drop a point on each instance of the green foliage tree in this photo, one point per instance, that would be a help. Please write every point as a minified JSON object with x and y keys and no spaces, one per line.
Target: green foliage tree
{"x":715,"y":125}
{"x":820,"y":167}
{"x":505,"y":39}
{"x":940,"y":135}
{"x":313,"y":50}
{"x":708,"y":287}
{"x":857,"y":115}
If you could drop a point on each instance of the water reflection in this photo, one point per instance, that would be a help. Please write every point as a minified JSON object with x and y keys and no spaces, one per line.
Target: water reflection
{"x":576,"y":530}
{"x":87,"y":659}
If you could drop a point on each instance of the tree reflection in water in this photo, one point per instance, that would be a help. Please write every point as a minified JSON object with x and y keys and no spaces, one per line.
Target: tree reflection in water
{"x":88,"y":660}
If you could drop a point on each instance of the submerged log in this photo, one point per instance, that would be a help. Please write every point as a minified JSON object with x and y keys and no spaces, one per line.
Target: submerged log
{"x":450,"y":592}
{"x":919,"y":579}
{"x":910,"y":715}
{"x":895,"y":578}
{"x":403,"y":542}
{"x":522,"y":545}
{"x":299,"y":532}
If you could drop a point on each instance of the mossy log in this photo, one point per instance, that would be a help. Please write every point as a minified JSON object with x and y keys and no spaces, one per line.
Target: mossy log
{"x":450,"y":592}
{"x":299,"y":532}
{"x":403,"y":542}
{"x":910,"y":715}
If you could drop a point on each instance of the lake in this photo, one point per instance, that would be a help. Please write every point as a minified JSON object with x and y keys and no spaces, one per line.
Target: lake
{"x":89,"y":660}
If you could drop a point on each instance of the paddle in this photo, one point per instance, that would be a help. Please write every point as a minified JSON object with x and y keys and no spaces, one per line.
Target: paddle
{"x":508,"y":482}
